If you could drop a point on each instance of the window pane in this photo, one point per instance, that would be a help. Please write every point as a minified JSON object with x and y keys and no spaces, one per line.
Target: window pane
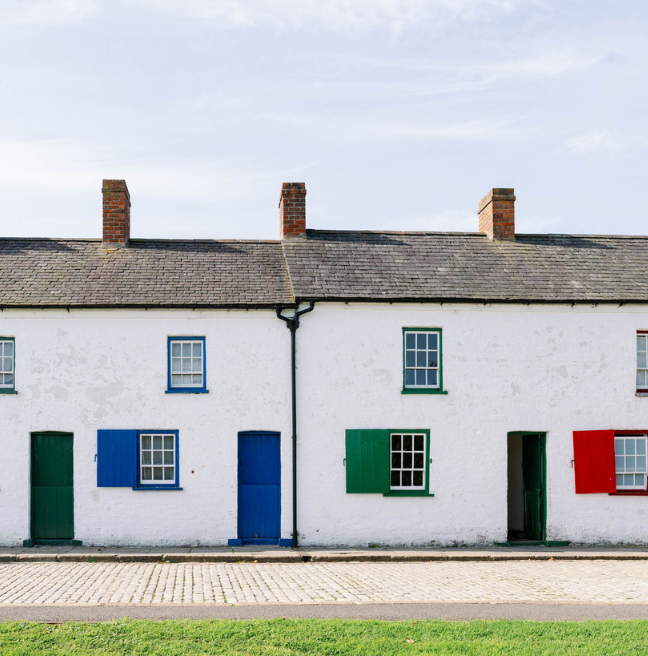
{"x":146,"y":474}
{"x":421,"y":359}
{"x":146,"y":441}
{"x":396,"y":442}
{"x":186,"y":365}
{"x":176,"y":380}
{"x":407,"y":461}
{"x":396,"y":461}
{"x":197,"y":349}
{"x":432,"y":359}
{"x":157,"y":457}
{"x":641,"y":447}
{"x":619,"y":480}
{"x":410,"y":377}
{"x":641,"y":379}
{"x":410,"y":340}
{"x":406,"y":478}
{"x":407,"y":442}
{"x":418,"y":442}
{"x":640,"y":480}
{"x":394,"y":480}
{"x":176,"y":349}
{"x":418,"y":461}
{"x":641,"y":464}
{"x":8,"y":348}
{"x":630,"y":463}
{"x":168,"y":457}
{"x":618,"y":447}
{"x":418,"y":478}
{"x":8,"y":364}
{"x":433,"y":340}
{"x":618,"y":463}
{"x":157,"y":473}
{"x":186,"y":380}
{"x":9,"y":379}
{"x":630,"y":447}
{"x":168,"y":441}
{"x":410,"y":358}
{"x":157,"y":441}
{"x":168,"y":474}
{"x":146,"y":457}
{"x":175,"y":365}
{"x":628,"y":479}
{"x":641,"y":360}
{"x":420,"y":376}
{"x":197,"y":366}
{"x":432,"y":377}
{"x":421,"y":340}
{"x":641,"y":342}
{"x":186,"y":349}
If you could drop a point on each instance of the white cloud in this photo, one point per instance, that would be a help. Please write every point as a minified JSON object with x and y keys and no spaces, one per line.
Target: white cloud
{"x":596,"y":141}
{"x":331,"y":14}
{"x":44,"y":12}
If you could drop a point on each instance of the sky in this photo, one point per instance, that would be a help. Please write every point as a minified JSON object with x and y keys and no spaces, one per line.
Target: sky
{"x":397,"y":114}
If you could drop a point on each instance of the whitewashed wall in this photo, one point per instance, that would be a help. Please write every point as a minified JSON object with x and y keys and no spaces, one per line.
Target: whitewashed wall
{"x":531,"y":368}
{"x":535,"y":368}
{"x":85,"y":370}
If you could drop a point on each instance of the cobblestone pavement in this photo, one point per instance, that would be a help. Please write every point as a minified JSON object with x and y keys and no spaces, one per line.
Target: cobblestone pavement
{"x":91,"y":584}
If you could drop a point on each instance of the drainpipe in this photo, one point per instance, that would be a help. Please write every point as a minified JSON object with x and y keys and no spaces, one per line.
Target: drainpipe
{"x":292,"y":323}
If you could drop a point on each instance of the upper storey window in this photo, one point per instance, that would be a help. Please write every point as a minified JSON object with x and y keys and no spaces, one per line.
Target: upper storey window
{"x":422,"y":370}
{"x":642,"y":361}
{"x":7,"y":365}
{"x":187,"y":369}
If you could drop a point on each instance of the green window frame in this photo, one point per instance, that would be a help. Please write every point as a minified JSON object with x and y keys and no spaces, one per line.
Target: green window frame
{"x":423,"y":361}
{"x":8,"y":365}
{"x":371,"y":464}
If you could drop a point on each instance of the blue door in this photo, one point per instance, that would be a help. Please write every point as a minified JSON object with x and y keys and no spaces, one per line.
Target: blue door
{"x":259,"y":485}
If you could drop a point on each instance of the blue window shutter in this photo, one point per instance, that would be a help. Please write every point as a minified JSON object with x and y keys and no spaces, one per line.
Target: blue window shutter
{"x":116,"y":458}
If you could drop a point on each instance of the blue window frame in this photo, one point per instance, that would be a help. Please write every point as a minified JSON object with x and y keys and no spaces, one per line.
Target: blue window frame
{"x":7,"y":365}
{"x":158,"y":459}
{"x":186,"y":365}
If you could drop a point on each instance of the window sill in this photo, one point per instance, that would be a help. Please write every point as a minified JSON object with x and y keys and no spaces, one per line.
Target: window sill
{"x":641,"y":393}
{"x":187,"y":390}
{"x":629,"y":493}
{"x":146,"y":488}
{"x":407,"y":493}
{"x":8,"y":391}
{"x":410,"y":390}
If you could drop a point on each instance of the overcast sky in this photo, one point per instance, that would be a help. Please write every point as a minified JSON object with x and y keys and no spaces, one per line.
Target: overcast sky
{"x":398,"y":114}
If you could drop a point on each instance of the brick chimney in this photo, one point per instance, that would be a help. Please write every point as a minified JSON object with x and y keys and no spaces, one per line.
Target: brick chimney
{"x":497,"y":214}
{"x":116,"y":213}
{"x":292,"y":209}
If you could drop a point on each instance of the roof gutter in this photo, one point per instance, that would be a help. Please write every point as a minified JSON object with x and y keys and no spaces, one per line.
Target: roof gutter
{"x":292,"y":323}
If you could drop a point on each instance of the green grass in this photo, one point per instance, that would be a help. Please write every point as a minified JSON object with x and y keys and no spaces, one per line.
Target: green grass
{"x":327,"y":637}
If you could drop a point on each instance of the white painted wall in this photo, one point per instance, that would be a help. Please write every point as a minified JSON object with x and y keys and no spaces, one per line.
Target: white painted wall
{"x":534,"y":368}
{"x":85,"y":370}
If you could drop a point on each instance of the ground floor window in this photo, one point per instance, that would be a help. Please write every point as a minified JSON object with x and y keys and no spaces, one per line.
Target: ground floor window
{"x":407,"y":461}
{"x":630,"y":462}
{"x":157,"y":458}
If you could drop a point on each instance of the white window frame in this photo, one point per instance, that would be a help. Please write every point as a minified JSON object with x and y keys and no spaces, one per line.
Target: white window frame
{"x":152,"y":434}
{"x":642,"y":341}
{"x":644,"y":471}
{"x":4,"y":342}
{"x":416,"y":351}
{"x":402,"y":434}
{"x":192,"y":373}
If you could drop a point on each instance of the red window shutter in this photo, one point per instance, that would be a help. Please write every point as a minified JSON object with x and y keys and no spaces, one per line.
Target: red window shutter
{"x":594,"y":468}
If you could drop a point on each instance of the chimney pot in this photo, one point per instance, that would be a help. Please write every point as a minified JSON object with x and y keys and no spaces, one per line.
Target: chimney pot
{"x":116,"y":213}
{"x":292,"y":209}
{"x":497,"y":214}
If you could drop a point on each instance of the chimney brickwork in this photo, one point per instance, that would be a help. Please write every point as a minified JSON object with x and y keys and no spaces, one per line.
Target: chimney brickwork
{"x":116,"y":213}
{"x":292,"y":209}
{"x":497,"y":214}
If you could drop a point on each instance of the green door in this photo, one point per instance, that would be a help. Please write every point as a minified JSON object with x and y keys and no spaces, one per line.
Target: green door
{"x":533,"y":471}
{"x":52,"y":500}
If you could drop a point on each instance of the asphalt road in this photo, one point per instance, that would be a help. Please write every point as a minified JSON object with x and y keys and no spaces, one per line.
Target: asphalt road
{"x":452,"y":611}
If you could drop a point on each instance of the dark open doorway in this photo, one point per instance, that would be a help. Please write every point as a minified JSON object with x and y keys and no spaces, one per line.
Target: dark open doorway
{"x":527,"y":487}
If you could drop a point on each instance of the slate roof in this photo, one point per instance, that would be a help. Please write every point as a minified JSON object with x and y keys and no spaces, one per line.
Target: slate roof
{"x":148,"y":273}
{"x":385,"y":266}
{"x":323,"y":265}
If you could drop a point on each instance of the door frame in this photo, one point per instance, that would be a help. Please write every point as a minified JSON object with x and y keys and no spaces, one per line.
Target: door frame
{"x":30,"y":542}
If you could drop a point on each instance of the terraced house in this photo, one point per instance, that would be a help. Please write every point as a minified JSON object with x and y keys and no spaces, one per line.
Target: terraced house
{"x":432,"y":388}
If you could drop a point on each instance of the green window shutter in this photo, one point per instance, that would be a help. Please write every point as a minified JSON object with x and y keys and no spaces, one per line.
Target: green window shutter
{"x":367,"y":461}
